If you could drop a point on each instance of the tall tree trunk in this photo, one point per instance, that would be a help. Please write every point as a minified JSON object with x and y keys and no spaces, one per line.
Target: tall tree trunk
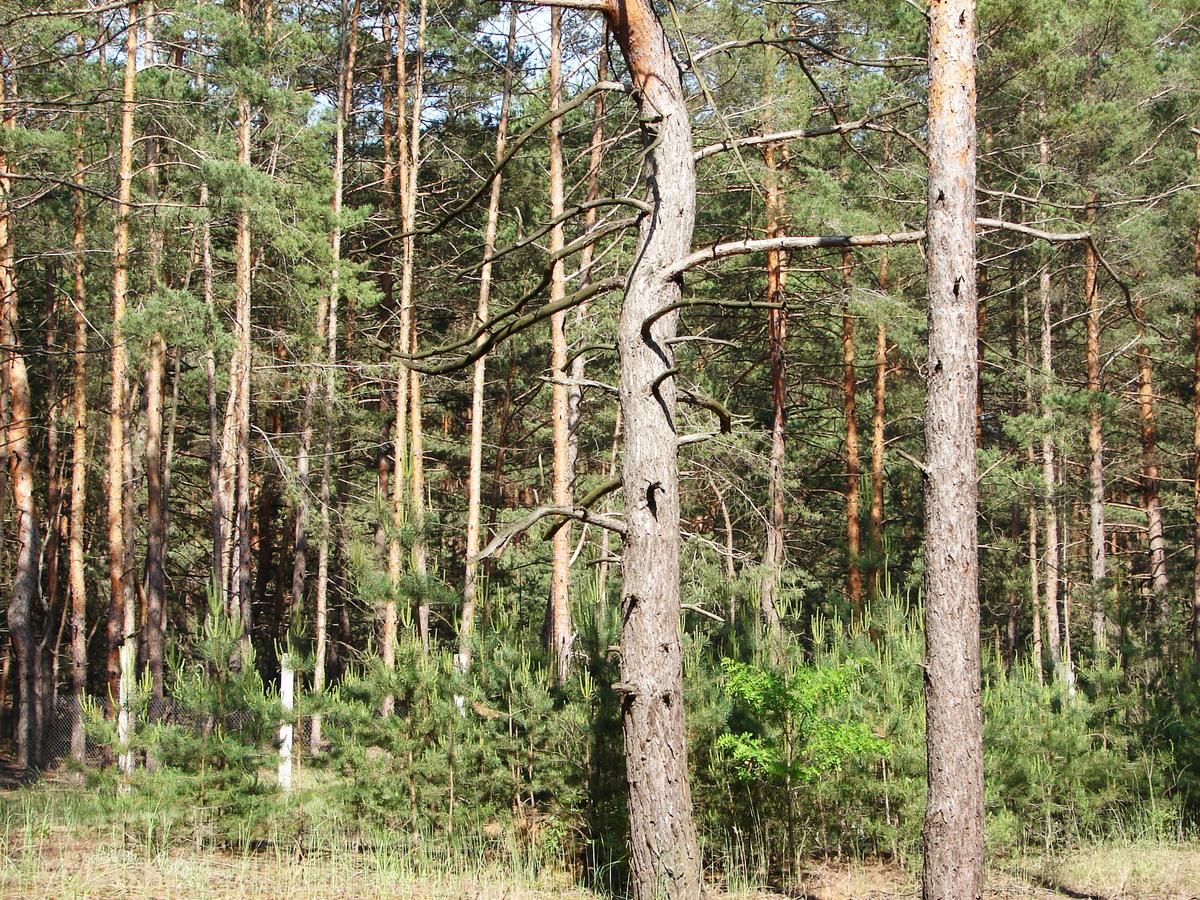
{"x":342,"y":116}
{"x":1196,"y":461}
{"x":878,"y":444}
{"x":587,"y":258}
{"x":1095,"y":453}
{"x":240,"y":572}
{"x":416,"y":427}
{"x":216,"y":508}
{"x":79,"y":459}
{"x":117,"y":632}
{"x":400,"y":441}
{"x":953,"y":832}
{"x":156,"y":524}
{"x":26,"y":580}
{"x":665,"y":854}
{"x":769,"y":594}
{"x":854,"y":583}
{"x":1032,"y":510}
{"x":559,"y":633}
{"x":1049,"y":477}
{"x":52,"y":605}
{"x":1150,"y":477}
{"x":479,"y":380}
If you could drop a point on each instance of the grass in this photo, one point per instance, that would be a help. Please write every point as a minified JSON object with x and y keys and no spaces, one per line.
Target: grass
{"x":60,"y":840}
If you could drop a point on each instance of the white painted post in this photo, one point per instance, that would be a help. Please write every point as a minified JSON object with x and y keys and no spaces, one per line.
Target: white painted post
{"x":124,"y":713}
{"x":287,"y":683}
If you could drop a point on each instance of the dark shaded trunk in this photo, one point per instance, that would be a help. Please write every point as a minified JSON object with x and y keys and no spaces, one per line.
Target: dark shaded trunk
{"x":26,"y":579}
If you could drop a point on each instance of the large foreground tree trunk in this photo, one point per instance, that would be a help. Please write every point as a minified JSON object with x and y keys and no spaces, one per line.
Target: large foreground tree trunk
{"x":953,"y":832}
{"x":665,"y":853}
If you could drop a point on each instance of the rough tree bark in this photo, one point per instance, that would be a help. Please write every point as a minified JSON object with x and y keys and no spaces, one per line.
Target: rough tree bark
{"x":26,"y":576}
{"x":953,"y":831}
{"x":559,"y":631}
{"x":665,"y":853}
{"x":475,"y":452}
{"x":1095,"y":451}
{"x":156,"y":523}
{"x":1196,"y":461}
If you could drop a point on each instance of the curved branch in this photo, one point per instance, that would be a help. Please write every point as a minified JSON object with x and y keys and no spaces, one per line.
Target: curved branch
{"x":502,"y":540}
{"x":490,"y":339}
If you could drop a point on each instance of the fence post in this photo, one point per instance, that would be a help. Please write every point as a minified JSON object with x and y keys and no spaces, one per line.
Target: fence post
{"x":126,"y":686}
{"x":287,"y":680}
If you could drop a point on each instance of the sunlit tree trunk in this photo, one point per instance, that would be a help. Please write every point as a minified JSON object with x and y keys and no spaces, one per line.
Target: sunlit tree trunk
{"x":79,"y":457}
{"x":559,"y":633}
{"x":1049,"y":477}
{"x":854,"y":583}
{"x":878,"y":443}
{"x":953,"y":832}
{"x":400,"y":441}
{"x":342,"y":114}
{"x":776,"y":348}
{"x":118,"y":633}
{"x":1032,"y":513}
{"x":1150,"y":476}
{"x":1196,"y":461}
{"x":475,"y":450}
{"x":664,"y":850}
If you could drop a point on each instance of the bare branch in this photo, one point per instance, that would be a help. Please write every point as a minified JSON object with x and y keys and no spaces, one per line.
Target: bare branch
{"x":796,"y":134}
{"x":502,"y":540}
{"x":761,"y":245}
{"x":485,"y":183}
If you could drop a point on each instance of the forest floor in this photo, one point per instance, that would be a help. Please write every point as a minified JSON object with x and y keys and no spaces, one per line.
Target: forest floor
{"x":59,"y":840}
{"x":61,"y":866}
